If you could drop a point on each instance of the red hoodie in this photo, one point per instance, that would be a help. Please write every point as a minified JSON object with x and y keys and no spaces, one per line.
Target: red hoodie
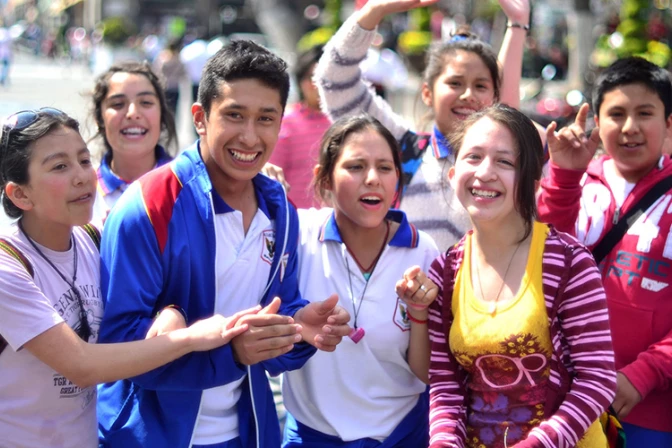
{"x":637,"y":276}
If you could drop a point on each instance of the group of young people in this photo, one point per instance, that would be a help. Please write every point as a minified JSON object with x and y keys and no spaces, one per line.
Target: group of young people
{"x":206,"y":278}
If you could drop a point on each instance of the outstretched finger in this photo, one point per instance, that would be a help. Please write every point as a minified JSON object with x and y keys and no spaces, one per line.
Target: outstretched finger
{"x":327,"y":306}
{"x":551,"y":138}
{"x":581,"y":117}
{"x":412,"y":272}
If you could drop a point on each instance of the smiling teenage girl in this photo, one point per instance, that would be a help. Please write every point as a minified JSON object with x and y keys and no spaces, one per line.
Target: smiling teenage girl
{"x":131,"y":112}
{"x":50,"y":301}
{"x":369,"y":392}
{"x":520,"y":340}
{"x":461,"y":77}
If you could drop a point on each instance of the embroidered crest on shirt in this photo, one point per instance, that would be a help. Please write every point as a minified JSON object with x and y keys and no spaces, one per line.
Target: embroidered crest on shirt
{"x":400,"y":317}
{"x":268,"y":249}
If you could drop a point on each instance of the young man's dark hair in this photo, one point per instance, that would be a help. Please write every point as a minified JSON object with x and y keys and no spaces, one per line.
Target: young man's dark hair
{"x":242,"y":59}
{"x":634,"y":70}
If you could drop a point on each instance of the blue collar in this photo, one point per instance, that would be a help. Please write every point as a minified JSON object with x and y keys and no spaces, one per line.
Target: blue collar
{"x":440,"y":146}
{"x":109,"y":182}
{"x":406,"y":235}
{"x":221,"y":206}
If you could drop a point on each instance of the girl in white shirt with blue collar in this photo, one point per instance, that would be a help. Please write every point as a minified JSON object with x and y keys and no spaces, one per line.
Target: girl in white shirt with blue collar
{"x":371,"y":390}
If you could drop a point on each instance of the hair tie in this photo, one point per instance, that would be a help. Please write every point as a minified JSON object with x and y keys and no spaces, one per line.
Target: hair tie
{"x":458,"y":38}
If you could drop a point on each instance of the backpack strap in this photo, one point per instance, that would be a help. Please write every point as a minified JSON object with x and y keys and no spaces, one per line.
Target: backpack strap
{"x":93,"y":233}
{"x":14,"y":252}
{"x":616,"y":233}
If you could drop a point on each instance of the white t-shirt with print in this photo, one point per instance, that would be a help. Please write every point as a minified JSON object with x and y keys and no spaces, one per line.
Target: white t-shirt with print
{"x":38,"y":406}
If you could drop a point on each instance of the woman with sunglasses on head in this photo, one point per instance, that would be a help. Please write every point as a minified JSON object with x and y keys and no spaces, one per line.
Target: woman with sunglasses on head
{"x":131,"y":112}
{"x":50,"y":298}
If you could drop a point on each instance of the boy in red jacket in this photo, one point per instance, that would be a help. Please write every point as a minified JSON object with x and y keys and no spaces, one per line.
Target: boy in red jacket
{"x":585,"y":197}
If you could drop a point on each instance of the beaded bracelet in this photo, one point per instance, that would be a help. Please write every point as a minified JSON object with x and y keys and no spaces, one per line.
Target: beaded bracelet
{"x":176,"y":308}
{"x":518,"y":25}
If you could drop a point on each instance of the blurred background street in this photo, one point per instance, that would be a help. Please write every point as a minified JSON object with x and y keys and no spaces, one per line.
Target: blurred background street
{"x":37,"y":82}
{"x":59,"y":46}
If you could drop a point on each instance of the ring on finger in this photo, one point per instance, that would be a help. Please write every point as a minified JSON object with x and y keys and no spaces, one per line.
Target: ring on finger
{"x":423,"y":288}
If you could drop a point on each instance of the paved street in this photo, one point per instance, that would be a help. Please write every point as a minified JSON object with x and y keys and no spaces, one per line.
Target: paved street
{"x":37,"y":82}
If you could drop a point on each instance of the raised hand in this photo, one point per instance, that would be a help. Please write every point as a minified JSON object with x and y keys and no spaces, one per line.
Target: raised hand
{"x":517,"y":11}
{"x":570,"y":148}
{"x":375,"y":10}
{"x":268,"y":335}
{"x":324,"y":323}
{"x":416,"y":290}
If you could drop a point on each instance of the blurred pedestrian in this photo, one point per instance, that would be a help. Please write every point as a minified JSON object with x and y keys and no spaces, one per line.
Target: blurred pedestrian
{"x":5,"y":55}
{"x":302,"y":129}
{"x":194,"y":56}
{"x":168,"y":64}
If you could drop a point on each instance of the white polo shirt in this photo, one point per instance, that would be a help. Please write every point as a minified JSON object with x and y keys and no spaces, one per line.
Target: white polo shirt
{"x":364,"y":389}
{"x":242,"y":265}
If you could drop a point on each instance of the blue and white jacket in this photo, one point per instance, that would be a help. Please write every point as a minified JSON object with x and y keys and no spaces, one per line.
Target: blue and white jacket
{"x":158,"y":249}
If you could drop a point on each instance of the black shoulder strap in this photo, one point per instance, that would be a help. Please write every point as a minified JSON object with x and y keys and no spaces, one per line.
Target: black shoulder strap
{"x":616,"y":233}
{"x":93,"y":233}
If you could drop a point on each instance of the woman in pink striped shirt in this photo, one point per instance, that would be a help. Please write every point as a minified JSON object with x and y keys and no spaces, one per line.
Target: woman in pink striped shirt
{"x":521,"y":351}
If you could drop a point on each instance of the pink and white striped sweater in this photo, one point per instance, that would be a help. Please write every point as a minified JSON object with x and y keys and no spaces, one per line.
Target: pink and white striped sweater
{"x":583,"y":376}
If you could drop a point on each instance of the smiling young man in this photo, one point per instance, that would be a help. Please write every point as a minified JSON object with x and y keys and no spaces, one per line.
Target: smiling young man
{"x":585,"y":196}
{"x":207,"y":234}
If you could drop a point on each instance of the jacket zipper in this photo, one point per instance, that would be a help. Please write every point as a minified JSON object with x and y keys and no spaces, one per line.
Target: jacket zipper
{"x":254,"y":408}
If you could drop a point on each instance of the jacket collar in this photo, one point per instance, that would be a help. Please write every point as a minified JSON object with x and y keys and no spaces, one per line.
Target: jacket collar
{"x":109,"y":182}
{"x":191,"y":168}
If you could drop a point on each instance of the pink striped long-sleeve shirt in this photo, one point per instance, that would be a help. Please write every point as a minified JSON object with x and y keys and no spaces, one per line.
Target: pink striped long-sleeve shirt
{"x":583,"y":377}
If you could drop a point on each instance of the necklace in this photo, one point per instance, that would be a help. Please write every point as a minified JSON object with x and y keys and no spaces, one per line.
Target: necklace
{"x":356,"y":334}
{"x":493,"y":305}
{"x":83,"y":330}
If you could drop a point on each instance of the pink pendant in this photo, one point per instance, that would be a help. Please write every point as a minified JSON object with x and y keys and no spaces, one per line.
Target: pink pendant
{"x":356,"y":334}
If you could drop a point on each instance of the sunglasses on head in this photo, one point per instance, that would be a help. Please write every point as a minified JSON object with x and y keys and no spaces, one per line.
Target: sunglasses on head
{"x":22,"y":119}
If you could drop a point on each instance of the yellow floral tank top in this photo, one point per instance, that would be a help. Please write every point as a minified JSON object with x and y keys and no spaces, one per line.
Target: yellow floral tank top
{"x":506,"y":355}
